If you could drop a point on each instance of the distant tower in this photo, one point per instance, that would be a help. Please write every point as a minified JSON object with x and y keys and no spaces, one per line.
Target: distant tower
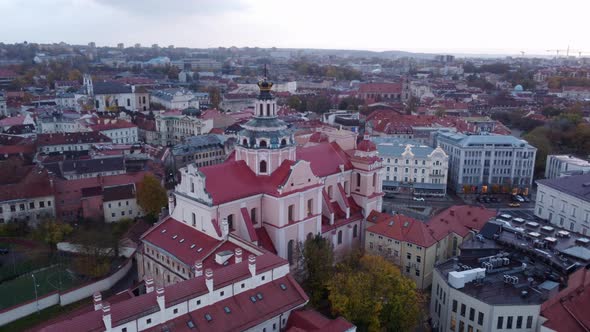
{"x":88,"y":85}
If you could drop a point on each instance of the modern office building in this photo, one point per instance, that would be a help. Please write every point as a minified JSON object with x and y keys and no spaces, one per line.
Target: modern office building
{"x":488,"y":163}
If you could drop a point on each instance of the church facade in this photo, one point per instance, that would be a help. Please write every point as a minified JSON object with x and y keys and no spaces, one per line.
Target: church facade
{"x":273,"y":194}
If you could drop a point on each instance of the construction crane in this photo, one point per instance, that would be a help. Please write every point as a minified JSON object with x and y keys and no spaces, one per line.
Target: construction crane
{"x":567,"y":52}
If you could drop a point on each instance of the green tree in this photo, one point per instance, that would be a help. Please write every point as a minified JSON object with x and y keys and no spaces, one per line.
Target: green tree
{"x":318,"y":267}
{"x":375,"y":296}
{"x":539,"y":138}
{"x":151,"y":196}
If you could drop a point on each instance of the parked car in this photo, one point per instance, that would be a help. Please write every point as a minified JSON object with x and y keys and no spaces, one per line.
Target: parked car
{"x":517,"y":198}
{"x":514,"y":204}
{"x":389,"y":195}
{"x":419,"y":199}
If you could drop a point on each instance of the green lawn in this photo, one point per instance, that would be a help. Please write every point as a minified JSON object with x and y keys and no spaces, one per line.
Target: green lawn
{"x":22,"y":288}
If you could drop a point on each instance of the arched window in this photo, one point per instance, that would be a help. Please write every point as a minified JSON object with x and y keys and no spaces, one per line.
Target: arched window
{"x":262,"y":168}
{"x":245,"y":142}
{"x":283,"y":142}
{"x":355,"y":231}
{"x":290,"y":252}
{"x":339,"y":237}
{"x":262,"y":144}
{"x":268,"y":109}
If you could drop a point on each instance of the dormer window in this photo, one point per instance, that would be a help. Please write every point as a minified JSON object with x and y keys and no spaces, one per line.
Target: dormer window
{"x":283,"y":142}
{"x":262,"y":144}
{"x":245,"y":142}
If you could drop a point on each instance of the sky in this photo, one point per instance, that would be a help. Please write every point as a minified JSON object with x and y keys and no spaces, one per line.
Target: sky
{"x":454,"y":26}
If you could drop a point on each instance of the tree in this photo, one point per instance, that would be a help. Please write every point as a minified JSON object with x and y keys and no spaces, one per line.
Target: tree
{"x":318,"y":261}
{"x":214,"y":96}
{"x":151,"y":196}
{"x":375,"y":296}
{"x":52,"y":232}
{"x":539,"y":138}
{"x":97,"y":247}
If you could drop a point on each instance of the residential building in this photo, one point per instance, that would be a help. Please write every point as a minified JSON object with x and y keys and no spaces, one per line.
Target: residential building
{"x":202,"y":150}
{"x":146,"y":129}
{"x":111,"y":95}
{"x":65,"y":142}
{"x":508,"y":277}
{"x":271,"y":193}
{"x":119,"y":202}
{"x":26,"y":194}
{"x":373,"y":92}
{"x":13,"y":121}
{"x":60,"y":122}
{"x":563,"y":165}
{"x":565,"y":202}
{"x":119,"y":131}
{"x":198,"y":64}
{"x":88,"y":168}
{"x":413,"y":168}
{"x":236,"y":102}
{"x":415,"y":246}
{"x":174,"y":126}
{"x":177,"y":99}
{"x":488,"y":163}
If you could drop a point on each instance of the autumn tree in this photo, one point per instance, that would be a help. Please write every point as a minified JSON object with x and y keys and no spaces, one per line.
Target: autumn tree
{"x":52,"y":232}
{"x":151,"y":196}
{"x":375,"y":296}
{"x":317,"y":267}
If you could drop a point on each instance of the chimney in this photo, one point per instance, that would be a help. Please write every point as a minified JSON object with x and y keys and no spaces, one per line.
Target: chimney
{"x":160,"y":298}
{"x":238,"y":255}
{"x":149,"y":285}
{"x":106,"y":316}
{"x":97,"y":301}
{"x":209,"y":279}
{"x":198,"y":269}
{"x":252,"y":264}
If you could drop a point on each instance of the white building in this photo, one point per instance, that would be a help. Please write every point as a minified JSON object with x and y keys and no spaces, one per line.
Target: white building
{"x":563,"y":165}
{"x":413,"y":168}
{"x":29,"y":199}
{"x":60,"y":122}
{"x":173,"y":127}
{"x":488,"y":163}
{"x":63,"y":142}
{"x":178,"y":99}
{"x":565,"y":202}
{"x":456,"y":305}
{"x":119,"y":202}
{"x":119,"y":131}
{"x":111,"y":95}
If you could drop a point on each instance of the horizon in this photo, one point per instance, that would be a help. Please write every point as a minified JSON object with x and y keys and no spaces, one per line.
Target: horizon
{"x":430,"y":27}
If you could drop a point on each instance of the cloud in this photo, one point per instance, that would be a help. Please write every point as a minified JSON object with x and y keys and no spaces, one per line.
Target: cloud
{"x":159,"y":8}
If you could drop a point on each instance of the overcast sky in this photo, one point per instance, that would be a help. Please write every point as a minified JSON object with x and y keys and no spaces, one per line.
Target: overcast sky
{"x":484,"y":26}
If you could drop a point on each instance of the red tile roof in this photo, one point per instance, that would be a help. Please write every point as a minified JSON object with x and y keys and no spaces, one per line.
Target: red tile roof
{"x":309,"y":320}
{"x":460,"y":220}
{"x":380,"y":88}
{"x":264,"y":240}
{"x":570,"y":313}
{"x":32,"y":182}
{"x":325,"y":158}
{"x":401,"y":228}
{"x":13,"y":121}
{"x":106,"y":124}
{"x":71,"y":138}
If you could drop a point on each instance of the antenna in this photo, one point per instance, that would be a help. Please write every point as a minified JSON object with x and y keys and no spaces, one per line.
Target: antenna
{"x":265,"y":72}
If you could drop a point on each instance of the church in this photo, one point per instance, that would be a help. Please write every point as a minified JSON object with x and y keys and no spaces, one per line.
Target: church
{"x":270,"y":195}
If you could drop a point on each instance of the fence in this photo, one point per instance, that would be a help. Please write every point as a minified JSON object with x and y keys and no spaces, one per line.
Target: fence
{"x":64,"y":298}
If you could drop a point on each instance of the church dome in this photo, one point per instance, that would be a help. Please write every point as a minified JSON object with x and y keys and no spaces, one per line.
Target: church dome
{"x":518,"y":88}
{"x":367,"y":146}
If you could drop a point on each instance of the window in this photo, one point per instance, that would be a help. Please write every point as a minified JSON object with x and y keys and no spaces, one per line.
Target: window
{"x":509,"y":322}
{"x":409,"y":256}
{"x":291,"y":213}
{"x":461,"y":326}
{"x":500,"y":323}
{"x":253,"y":215}
{"x":221,"y":293}
{"x":418,"y":259}
{"x":519,"y":322}
{"x":339,"y":237}
{"x":148,"y":321}
{"x":290,"y":248}
{"x":31,"y":205}
{"x":480,"y":318}
{"x":529,"y":322}
{"x":194,"y":220}
{"x":463,"y":309}
{"x":471,"y":314}
{"x":330,"y":194}
{"x":262,"y":144}
{"x":355,"y":231}
{"x":41,"y":204}
{"x":358,"y":179}
{"x":453,"y":325}
{"x":454,"y":305}
{"x":262,"y":168}
{"x":310,"y":207}
{"x":417,"y":273}
{"x":175,"y":311}
{"x":230,"y":222}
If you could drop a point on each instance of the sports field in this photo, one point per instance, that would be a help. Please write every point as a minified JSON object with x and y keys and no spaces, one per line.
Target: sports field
{"x":22,"y":289}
